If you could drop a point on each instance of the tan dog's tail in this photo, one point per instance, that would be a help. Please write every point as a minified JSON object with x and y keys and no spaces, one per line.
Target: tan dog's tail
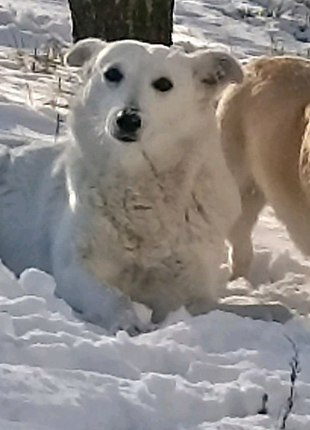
{"x":304,"y":159}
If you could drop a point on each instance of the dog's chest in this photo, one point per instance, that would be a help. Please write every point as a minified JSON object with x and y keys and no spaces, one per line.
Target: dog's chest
{"x":143,"y":226}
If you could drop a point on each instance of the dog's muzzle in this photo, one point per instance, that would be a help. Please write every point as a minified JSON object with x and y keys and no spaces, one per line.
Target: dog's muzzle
{"x":128,"y":123}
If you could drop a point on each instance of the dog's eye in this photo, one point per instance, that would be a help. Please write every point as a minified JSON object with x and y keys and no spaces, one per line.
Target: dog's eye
{"x":113,"y":74}
{"x":163,"y":85}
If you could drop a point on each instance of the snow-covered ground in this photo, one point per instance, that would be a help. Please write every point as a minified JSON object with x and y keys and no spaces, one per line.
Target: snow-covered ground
{"x":216,"y":371}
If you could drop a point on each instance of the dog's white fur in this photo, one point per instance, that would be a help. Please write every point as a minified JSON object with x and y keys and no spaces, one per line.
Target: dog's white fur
{"x":148,"y":217}
{"x":265,"y":136}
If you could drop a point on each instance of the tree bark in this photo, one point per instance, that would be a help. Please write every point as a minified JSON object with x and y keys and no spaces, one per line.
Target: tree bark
{"x":146,"y":20}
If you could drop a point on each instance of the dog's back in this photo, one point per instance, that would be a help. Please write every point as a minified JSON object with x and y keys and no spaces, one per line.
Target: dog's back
{"x":263,"y":125}
{"x":27,"y":203}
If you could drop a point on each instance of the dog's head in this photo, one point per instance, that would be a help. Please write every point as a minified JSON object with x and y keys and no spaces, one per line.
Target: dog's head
{"x":134,"y":93}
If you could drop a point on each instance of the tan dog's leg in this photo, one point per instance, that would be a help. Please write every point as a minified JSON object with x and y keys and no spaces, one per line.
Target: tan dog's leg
{"x":304,"y":158}
{"x":240,"y":236}
{"x":235,"y":143}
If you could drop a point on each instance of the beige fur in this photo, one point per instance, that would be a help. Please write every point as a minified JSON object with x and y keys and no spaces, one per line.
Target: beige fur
{"x":266,"y":139}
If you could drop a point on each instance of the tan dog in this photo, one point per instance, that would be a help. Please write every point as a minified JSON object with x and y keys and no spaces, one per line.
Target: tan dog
{"x":266,"y":139}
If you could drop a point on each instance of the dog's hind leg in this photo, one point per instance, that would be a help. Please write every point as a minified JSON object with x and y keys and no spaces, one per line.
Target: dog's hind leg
{"x":235,"y":143}
{"x":260,"y":311}
{"x":240,"y":236}
{"x":304,"y":163}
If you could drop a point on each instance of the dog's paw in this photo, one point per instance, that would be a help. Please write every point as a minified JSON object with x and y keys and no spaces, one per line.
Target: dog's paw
{"x":265,"y":311}
{"x":130,"y":320}
{"x":278,"y":312}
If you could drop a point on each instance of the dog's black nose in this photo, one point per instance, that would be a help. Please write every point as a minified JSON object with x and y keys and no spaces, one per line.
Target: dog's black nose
{"x":128,"y":120}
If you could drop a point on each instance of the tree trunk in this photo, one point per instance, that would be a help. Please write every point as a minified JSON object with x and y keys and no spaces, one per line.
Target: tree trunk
{"x":145,"y":20}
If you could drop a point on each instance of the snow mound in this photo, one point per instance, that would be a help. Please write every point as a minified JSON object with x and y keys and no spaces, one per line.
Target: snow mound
{"x":57,"y":372}
{"x":26,"y":25}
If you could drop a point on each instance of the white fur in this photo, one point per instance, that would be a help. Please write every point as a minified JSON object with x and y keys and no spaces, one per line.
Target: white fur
{"x":148,"y":217}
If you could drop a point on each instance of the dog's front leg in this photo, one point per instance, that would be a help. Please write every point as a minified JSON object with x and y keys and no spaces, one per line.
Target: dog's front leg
{"x":96,"y":302}
{"x":260,"y":311}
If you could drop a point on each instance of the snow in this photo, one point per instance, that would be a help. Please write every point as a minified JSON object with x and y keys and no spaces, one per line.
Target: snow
{"x":59,"y":373}
{"x":246,"y":26}
{"x":204,"y":373}
{"x":31,"y":24}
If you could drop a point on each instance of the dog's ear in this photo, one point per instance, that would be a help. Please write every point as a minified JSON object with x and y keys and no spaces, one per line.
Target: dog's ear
{"x":83,"y":51}
{"x":216,"y":69}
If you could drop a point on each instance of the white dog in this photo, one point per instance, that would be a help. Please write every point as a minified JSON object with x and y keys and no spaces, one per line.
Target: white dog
{"x":139,"y":197}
